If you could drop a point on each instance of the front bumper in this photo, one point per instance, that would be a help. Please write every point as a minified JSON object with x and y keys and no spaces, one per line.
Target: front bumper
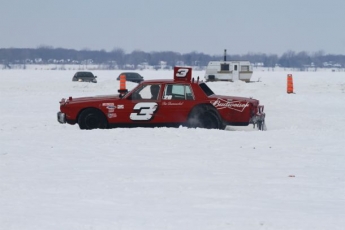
{"x":61,"y":117}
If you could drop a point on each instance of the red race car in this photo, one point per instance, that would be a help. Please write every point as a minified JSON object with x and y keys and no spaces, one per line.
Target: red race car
{"x":168,"y":103}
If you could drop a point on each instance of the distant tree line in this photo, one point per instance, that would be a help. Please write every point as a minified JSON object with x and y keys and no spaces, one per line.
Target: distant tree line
{"x":45,"y":54}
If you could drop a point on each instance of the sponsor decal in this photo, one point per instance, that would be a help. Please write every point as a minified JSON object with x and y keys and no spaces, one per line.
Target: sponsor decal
{"x":111,"y":106}
{"x":230,"y":104}
{"x":107,"y":104}
{"x":172,"y":103}
{"x":112,"y":115}
{"x":111,"y":110}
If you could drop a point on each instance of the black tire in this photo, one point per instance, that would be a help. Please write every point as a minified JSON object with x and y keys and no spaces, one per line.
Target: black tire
{"x":209,"y":120}
{"x":205,"y":116}
{"x":92,"y":119}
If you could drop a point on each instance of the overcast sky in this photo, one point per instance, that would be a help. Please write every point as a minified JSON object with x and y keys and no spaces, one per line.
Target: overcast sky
{"x":242,"y":26}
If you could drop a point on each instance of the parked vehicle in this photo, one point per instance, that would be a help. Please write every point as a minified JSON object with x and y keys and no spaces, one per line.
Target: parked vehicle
{"x":84,"y":77}
{"x":153,"y":103}
{"x":132,"y":76}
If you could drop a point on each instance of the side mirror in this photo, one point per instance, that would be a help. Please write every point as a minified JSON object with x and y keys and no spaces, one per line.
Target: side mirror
{"x":95,"y":76}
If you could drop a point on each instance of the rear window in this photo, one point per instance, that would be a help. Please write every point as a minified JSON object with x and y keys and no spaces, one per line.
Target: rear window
{"x":206,"y":89}
{"x":85,"y":74}
{"x":134,"y":76}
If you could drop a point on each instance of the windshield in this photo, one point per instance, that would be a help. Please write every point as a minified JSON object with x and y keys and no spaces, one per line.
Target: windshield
{"x":206,"y":89}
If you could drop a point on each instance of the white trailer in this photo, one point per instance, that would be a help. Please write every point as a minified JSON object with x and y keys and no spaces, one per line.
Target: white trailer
{"x":228,"y":70}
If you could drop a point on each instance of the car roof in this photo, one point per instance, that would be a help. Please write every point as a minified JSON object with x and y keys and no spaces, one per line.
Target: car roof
{"x":130,"y":73}
{"x":166,"y":81}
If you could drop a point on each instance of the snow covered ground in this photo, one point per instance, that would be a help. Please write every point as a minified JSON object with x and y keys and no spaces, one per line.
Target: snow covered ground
{"x":59,"y":177}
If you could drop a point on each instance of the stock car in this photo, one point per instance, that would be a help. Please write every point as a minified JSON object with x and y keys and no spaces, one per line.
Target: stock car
{"x":181,"y":101}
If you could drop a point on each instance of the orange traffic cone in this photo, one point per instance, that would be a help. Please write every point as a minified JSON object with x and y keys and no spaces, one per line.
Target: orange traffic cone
{"x":123,"y":84}
{"x":289,"y":84}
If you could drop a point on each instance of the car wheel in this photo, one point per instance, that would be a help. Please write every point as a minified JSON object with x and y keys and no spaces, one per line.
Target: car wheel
{"x":205,"y":117}
{"x":92,"y":119}
{"x":209,"y":120}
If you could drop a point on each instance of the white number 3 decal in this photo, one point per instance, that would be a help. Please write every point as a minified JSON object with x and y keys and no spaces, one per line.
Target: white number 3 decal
{"x":145,"y":111}
{"x":182,"y":72}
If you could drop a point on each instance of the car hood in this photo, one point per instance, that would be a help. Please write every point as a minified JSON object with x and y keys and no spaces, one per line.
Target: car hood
{"x":101,"y":98}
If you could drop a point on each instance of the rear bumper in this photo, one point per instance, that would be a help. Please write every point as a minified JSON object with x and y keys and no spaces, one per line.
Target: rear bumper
{"x":259,"y":121}
{"x":61,"y":117}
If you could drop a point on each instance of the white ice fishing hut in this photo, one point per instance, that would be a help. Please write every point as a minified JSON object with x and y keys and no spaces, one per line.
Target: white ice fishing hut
{"x":228,"y":70}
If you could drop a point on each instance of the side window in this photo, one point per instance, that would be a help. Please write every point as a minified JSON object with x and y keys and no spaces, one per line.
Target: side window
{"x":224,"y":67}
{"x":178,"y":92}
{"x":147,"y":92}
{"x":245,"y":68}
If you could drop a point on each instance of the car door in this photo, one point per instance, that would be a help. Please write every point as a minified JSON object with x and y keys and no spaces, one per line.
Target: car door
{"x":177,"y":101}
{"x":141,"y":108}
